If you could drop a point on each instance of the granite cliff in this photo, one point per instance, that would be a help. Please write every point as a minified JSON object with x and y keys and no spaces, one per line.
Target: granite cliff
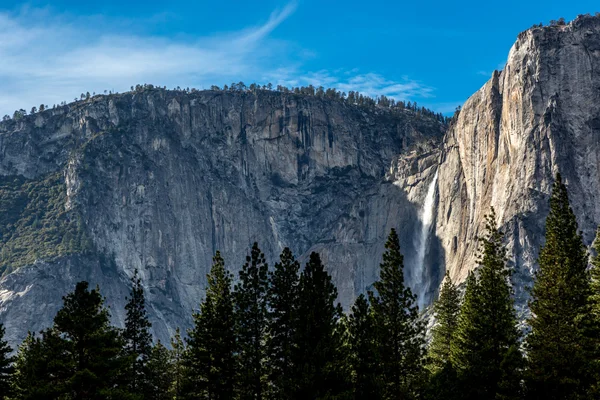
{"x":540,"y":115}
{"x":158,"y":180}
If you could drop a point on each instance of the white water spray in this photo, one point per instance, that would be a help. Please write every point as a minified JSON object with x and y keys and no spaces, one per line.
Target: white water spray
{"x":422,"y":240}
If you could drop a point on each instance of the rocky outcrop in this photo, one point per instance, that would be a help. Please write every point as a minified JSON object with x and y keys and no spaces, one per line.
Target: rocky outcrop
{"x":537,"y":117}
{"x":161,"y":180}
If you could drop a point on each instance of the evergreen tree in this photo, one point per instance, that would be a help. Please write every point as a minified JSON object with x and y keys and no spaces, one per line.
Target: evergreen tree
{"x":251,"y":295}
{"x":443,"y":379}
{"x":210,"y":357}
{"x":40,"y":373}
{"x":160,"y":374}
{"x":362,"y":348}
{"x":593,"y":325}
{"x":138,"y":340}
{"x":178,"y":354}
{"x":463,"y":350}
{"x":27,"y":366}
{"x":91,"y":350}
{"x":559,"y":353}
{"x":485,"y":350}
{"x":283,"y":303}
{"x":6,"y":367}
{"x":400,"y":333}
{"x":446,"y":309}
{"x":318,"y":359}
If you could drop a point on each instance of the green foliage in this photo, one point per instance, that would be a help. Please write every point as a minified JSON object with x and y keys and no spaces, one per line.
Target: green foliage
{"x":34,"y":223}
{"x":138,"y":340}
{"x":400,"y":333}
{"x":91,"y":350}
{"x":446,"y":309}
{"x":178,"y":355}
{"x":160,"y":374}
{"x":362,"y":348}
{"x":486,"y":339}
{"x":251,"y":296}
{"x":39,"y":372}
{"x":210,"y":358}
{"x":318,"y":358}
{"x":593,"y":325}
{"x":80,"y":357}
{"x":6,"y":368}
{"x":281,"y":344}
{"x":559,"y":352}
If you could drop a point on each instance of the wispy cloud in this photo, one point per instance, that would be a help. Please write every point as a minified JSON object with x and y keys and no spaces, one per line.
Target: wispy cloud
{"x":371,"y":84}
{"x":49,"y":58}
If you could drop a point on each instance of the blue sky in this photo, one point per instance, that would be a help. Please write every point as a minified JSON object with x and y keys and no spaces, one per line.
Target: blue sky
{"x":435,"y":53}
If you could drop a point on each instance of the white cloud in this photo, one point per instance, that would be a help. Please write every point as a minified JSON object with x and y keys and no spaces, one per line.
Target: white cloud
{"x":48,"y":58}
{"x":371,"y":84}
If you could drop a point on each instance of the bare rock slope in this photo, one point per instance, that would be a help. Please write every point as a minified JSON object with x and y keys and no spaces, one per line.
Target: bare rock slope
{"x":159,"y":180}
{"x":540,"y":115}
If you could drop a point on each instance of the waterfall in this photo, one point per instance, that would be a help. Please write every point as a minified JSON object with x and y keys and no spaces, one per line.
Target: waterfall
{"x":421,"y":242}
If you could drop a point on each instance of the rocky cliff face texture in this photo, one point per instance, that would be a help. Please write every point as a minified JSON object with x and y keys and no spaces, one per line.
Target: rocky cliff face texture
{"x":159,"y":180}
{"x":539,"y":116}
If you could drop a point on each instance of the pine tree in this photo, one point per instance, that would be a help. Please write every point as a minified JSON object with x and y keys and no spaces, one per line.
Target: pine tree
{"x":400,"y":333}
{"x":178,"y":354}
{"x":138,"y":340}
{"x":91,"y":351}
{"x":593,"y":325}
{"x":251,"y":294}
{"x":160,"y":373}
{"x":463,"y":349}
{"x":446,"y":309}
{"x":210,"y":357}
{"x":362,"y":348}
{"x":443,"y":379}
{"x":486,"y":338}
{"x":558,"y":351}
{"x":318,"y":359}
{"x":6,"y":367}
{"x":27,"y":377}
{"x":283,"y":303}
{"x":39,"y":370}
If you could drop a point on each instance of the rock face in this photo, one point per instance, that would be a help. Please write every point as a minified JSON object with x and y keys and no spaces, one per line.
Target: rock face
{"x":539,"y":116}
{"x":159,"y":180}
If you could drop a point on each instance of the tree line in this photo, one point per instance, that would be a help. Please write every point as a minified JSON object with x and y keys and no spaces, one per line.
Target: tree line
{"x":353,"y":98}
{"x":278,"y":333}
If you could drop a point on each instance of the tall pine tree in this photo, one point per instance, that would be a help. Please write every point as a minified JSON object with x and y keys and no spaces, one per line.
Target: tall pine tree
{"x":91,"y":350}
{"x":6,"y":367}
{"x":400,"y":333}
{"x":485,"y":349}
{"x":138,"y":340}
{"x":40,"y":372}
{"x":446,"y":309}
{"x":160,"y":374}
{"x":210,"y":357}
{"x":318,"y":359}
{"x":179,"y":355}
{"x":362,"y":348}
{"x":558,"y":350}
{"x":442,"y":381}
{"x":593,"y":325}
{"x":251,"y":298}
{"x":283,"y":303}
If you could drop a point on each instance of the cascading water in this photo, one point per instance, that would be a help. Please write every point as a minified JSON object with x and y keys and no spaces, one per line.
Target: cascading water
{"x":421,"y":242}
